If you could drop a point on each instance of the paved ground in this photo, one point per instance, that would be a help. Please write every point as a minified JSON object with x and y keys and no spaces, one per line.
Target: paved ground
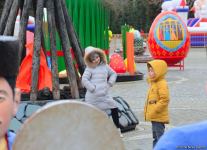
{"x":188,"y":98}
{"x":188,"y":93}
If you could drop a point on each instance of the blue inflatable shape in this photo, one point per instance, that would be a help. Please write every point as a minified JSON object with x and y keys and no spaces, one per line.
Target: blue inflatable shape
{"x":31,"y":27}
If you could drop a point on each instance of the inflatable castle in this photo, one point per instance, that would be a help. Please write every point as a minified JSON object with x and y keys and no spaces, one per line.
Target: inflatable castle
{"x":198,"y":26}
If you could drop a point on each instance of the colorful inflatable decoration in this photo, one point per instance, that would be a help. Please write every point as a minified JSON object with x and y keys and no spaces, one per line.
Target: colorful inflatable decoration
{"x":176,"y":5}
{"x":110,"y":34}
{"x":169,"y":38}
{"x":126,"y":69}
{"x":198,"y":26}
{"x":30,"y":25}
{"x":125,"y":62}
{"x":130,"y":52}
{"x":200,"y":7}
{"x":170,"y":5}
{"x":182,"y":11}
{"x":121,"y":68}
{"x":24,"y":77}
{"x":117,"y":63}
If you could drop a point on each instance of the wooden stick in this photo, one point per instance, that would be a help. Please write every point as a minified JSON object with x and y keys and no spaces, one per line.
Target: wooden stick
{"x":37,"y":48}
{"x":21,"y":5}
{"x":43,"y":45}
{"x":12,"y":18}
{"x":34,"y":4}
{"x":23,"y":25}
{"x":51,"y":25}
{"x":4,"y":15}
{"x":66,"y":46}
{"x":43,"y":36}
{"x":75,"y":44}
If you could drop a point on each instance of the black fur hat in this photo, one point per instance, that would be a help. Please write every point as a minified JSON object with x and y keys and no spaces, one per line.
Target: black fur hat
{"x":9,"y":59}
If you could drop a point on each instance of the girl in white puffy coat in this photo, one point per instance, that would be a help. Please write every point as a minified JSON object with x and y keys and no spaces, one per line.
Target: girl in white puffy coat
{"x":97,"y":78}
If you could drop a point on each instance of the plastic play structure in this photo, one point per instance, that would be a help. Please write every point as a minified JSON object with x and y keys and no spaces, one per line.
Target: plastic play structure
{"x":169,"y":39}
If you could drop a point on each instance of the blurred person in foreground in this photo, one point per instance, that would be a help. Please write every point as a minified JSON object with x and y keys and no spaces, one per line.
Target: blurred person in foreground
{"x":9,"y":95}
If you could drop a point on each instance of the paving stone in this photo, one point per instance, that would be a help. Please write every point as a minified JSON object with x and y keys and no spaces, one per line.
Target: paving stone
{"x":188,"y":98}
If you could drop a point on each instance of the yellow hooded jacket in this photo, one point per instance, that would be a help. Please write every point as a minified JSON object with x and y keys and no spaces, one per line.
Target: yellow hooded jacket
{"x":156,"y":106}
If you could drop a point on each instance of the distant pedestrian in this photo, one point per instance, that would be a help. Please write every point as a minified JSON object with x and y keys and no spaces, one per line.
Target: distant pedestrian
{"x":97,"y":78}
{"x":156,"y":106}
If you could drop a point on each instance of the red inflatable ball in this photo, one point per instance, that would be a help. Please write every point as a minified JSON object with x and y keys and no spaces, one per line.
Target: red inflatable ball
{"x":117,"y":63}
{"x":169,"y":38}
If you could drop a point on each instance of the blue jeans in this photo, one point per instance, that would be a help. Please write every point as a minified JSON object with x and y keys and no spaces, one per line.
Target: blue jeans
{"x":158,"y":130}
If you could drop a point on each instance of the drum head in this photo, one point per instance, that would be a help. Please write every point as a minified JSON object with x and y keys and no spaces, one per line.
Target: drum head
{"x":68,"y":125}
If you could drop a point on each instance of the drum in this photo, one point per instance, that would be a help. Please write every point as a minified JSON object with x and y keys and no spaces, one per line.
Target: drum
{"x":68,"y":125}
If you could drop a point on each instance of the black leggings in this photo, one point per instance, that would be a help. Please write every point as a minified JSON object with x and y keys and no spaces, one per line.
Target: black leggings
{"x":115,"y":116}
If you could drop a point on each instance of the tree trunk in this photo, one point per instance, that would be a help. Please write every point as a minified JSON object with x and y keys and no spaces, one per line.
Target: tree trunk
{"x":74,"y":40}
{"x":4,"y":15}
{"x":37,"y":47}
{"x":66,"y":46}
{"x":51,"y":24}
{"x":12,"y":18}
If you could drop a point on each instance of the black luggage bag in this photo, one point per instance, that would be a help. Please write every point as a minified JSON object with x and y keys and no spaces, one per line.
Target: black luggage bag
{"x":127,"y":118}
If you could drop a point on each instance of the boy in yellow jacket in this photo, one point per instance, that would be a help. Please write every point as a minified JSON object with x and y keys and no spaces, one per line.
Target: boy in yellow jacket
{"x":156,"y":106}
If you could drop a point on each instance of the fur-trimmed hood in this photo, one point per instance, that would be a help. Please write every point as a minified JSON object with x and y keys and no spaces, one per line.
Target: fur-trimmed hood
{"x":88,"y":51}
